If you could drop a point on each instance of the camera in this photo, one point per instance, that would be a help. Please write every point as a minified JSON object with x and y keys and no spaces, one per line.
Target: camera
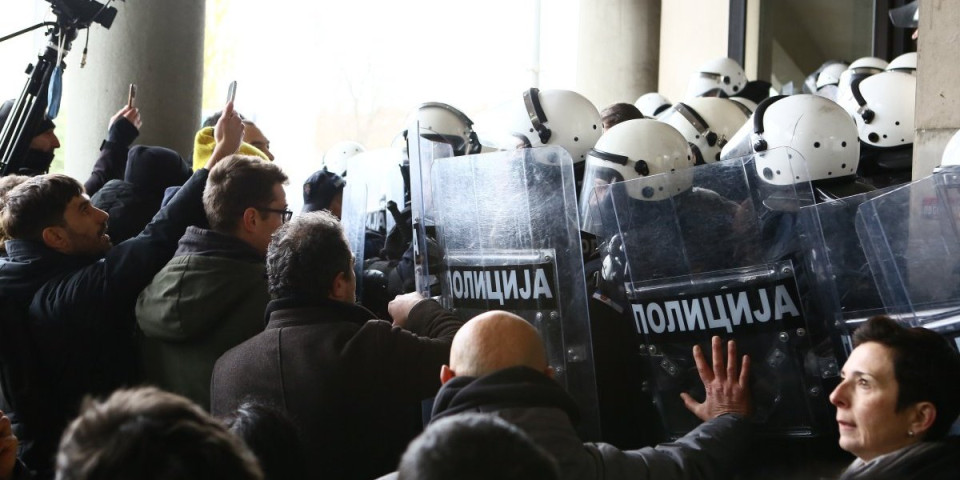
{"x":83,"y":13}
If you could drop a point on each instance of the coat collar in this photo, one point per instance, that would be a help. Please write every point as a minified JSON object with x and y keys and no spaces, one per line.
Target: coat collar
{"x":295,"y":311}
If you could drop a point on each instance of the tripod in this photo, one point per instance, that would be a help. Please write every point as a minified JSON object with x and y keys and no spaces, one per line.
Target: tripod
{"x":30,"y":108}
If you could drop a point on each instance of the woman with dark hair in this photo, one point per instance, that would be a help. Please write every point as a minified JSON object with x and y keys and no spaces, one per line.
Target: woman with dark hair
{"x":272,"y":437}
{"x":899,"y":396}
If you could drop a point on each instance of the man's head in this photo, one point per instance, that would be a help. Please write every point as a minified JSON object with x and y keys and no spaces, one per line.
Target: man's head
{"x":324,"y":191}
{"x":54,"y":210}
{"x":150,"y":434}
{"x":251,"y":133}
{"x":244,"y":197}
{"x":475,"y":447}
{"x":617,"y":113}
{"x":6,"y":184}
{"x":254,"y":136}
{"x":42,"y":145}
{"x":309,"y":257}
{"x":494,"y":341}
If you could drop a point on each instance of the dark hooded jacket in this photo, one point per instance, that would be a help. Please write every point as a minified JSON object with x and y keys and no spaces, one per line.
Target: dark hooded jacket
{"x":133,"y":201}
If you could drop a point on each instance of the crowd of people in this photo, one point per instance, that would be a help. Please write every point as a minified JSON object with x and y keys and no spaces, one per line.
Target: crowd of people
{"x":175,"y":319}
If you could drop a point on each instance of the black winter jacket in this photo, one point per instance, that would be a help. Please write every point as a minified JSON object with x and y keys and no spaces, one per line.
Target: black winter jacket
{"x":67,"y":324}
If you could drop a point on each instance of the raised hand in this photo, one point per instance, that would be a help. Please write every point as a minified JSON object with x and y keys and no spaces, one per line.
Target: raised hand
{"x":399,"y":308}
{"x":132,"y":114}
{"x":727,"y":386}
{"x":228,"y":134}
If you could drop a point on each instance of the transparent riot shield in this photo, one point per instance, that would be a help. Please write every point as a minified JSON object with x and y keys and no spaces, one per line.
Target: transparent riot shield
{"x":836,"y":258}
{"x":696,"y":264}
{"x":423,"y":152}
{"x":910,"y":236}
{"x":507,"y":227}
{"x":374,"y":181}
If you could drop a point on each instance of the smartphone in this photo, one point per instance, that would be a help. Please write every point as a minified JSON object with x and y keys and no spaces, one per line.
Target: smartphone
{"x":132,"y":95}
{"x":232,"y":91}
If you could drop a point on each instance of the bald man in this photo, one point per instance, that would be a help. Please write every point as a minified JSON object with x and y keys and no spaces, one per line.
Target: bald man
{"x":498,"y":365}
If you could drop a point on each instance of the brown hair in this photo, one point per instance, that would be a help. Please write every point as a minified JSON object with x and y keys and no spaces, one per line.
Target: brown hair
{"x":235,"y":184}
{"x":36,"y":204}
{"x":619,"y":112}
{"x":148,"y":434}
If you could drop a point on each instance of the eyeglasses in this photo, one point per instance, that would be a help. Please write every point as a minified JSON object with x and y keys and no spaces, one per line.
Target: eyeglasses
{"x":285,"y":214}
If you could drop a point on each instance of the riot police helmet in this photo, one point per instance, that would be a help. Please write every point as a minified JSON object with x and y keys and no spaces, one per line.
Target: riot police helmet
{"x":707,"y":123}
{"x":335,"y":158}
{"x":906,"y":63}
{"x":722,"y":77}
{"x":441,"y":122}
{"x":883,"y":107}
{"x":951,"y":155}
{"x":652,"y":104}
{"x":816,"y":128}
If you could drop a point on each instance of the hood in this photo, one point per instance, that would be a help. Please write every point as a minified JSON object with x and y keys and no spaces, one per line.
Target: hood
{"x":516,"y":387}
{"x":195,"y":293}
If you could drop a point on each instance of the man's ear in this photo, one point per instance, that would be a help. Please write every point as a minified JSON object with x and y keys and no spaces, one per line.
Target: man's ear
{"x":340,"y":290}
{"x":924,"y":414}
{"x":56,"y":238}
{"x":446,"y":374}
{"x":248,"y":223}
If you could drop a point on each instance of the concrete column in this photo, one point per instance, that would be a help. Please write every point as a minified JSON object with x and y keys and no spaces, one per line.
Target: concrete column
{"x":938,"y":91}
{"x":697,"y":31}
{"x":159,"y":46}
{"x":618,"y":51}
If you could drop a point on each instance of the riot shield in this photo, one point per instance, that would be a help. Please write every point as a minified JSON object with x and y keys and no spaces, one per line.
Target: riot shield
{"x":507,"y":227}
{"x":836,"y":258}
{"x":423,"y":152}
{"x":910,"y":236}
{"x":697,"y":264}
{"x":375,"y":180}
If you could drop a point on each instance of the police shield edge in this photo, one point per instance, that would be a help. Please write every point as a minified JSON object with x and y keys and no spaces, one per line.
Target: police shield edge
{"x":835,"y":257}
{"x":507,"y":226}
{"x":423,"y":152}
{"x":375,"y":180}
{"x":912,"y":242}
{"x":694,"y":264}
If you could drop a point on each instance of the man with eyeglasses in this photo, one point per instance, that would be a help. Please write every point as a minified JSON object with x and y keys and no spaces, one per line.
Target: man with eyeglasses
{"x":212,"y":295}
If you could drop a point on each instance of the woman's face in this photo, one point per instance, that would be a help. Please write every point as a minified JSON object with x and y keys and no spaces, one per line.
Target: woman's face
{"x":866,"y":401}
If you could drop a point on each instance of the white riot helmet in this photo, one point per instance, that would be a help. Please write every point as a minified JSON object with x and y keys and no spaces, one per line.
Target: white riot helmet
{"x":748,"y":106}
{"x":951,"y":155}
{"x":652,"y":104}
{"x":871,"y":65}
{"x":906,"y":63}
{"x":883,"y":107}
{"x":830,"y":75}
{"x":639,"y":148}
{"x":444,"y":123}
{"x":719,"y":77}
{"x":818,"y":129}
{"x":335,"y":158}
{"x":707,"y":123}
{"x":548,"y":117}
